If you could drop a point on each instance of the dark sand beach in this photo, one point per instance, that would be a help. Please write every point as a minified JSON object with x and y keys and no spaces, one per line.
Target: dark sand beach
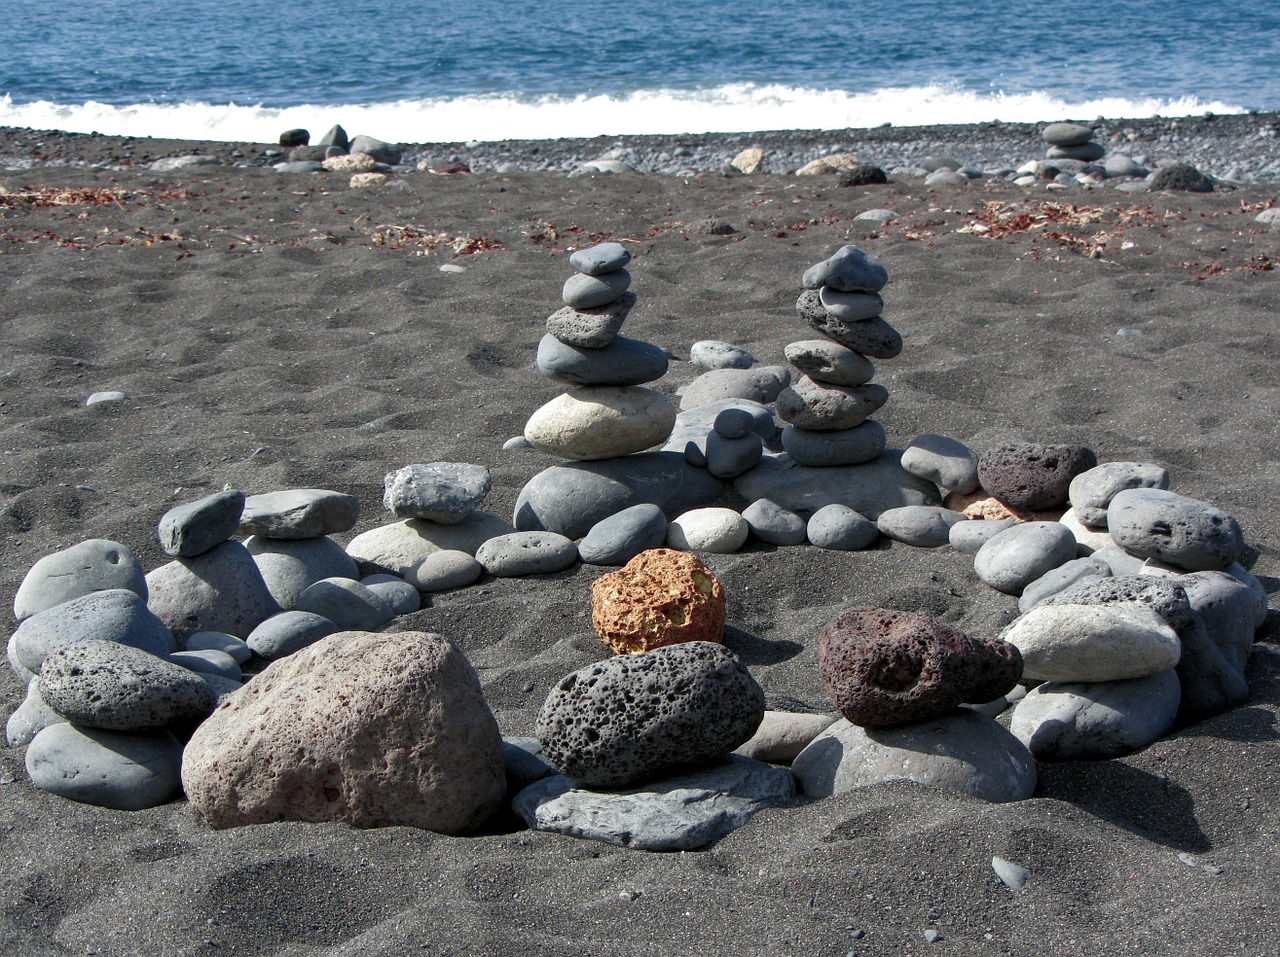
{"x":277,"y":331}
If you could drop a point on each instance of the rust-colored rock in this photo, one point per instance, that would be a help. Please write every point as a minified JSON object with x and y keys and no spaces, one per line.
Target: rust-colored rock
{"x":981,"y":504}
{"x":661,"y":597}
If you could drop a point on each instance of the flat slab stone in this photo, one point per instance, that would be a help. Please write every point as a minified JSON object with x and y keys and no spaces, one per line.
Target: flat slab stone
{"x":862,"y":443}
{"x":622,"y":361}
{"x":1075,"y":643}
{"x":299,"y":513}
{"x":600,"y":258}
{"x":402,"y":546}
{"x":91,"y":566}
{"x":196,"y":527}
{"x":121,"y":770}
{"x":682,"y":813}
{"x":590,"y":292}
{"x":870,"y":488}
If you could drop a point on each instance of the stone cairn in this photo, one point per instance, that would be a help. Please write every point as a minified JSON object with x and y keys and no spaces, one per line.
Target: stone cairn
{"x":608,"y":412}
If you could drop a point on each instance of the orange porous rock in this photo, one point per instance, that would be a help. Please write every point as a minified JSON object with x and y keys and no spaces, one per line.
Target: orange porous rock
{"x":660,"y":597}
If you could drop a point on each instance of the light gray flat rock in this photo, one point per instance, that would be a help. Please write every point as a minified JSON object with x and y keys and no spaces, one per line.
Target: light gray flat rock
{"x":1182,"y":531}
{"x":194,"y":528}
{"x":287,"y":632}
{"x":299,"y":513}
{"x":527,"y":553}
{"x":115,"y":769}
{"x":440,"y":492}
{"x":116,"y":615}
{"x":1091,"y":492}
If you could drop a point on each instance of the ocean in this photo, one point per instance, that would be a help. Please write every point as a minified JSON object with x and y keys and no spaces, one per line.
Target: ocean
{"x":474,"y":70}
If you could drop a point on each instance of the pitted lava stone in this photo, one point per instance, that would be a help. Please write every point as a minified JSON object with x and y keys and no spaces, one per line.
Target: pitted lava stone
{"x":884,"y":667}
{"x":1164,"y":596}
{"x":1026,"y":475}
{"x":660,"y":597}
{"x":630,"y":718}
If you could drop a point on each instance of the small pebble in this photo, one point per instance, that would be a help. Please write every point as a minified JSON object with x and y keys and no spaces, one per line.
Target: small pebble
{"x":99,"y":397}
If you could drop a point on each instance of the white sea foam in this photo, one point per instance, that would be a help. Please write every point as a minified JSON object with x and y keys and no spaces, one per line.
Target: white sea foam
{"x":731,"y":108}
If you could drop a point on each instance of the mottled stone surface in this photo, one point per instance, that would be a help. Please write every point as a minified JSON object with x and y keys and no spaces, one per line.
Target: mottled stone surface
{"x":848,"y":269}
{"x":299,"y":513}
{"x":660,"y":597}
{"x":820,"y":407}
{"x":884,"y":667}
{"x":221,"y":590}
{"x":1027,"y":475}
{"x":1182,"y":531}
{"x":117,"y":614}
{"x":440,"y":492}
{"x":1091,"y":492}
{"x":630,"y":718}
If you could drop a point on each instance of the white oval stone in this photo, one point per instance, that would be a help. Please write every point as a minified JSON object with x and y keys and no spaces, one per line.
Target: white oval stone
{"x":601,"y":422}
{"x":1093,"y":642}
{"x":717,"y":530}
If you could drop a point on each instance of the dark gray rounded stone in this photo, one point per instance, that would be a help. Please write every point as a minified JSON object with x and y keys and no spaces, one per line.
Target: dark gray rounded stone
{"x":862,"y":443}
{"x":622,"y":362}
{"x":527,"y":553}
{"x":1066,"y":134}
{"x":1084,"y":152}
{"x":733,"y":423}
{"x":347,"y":603}
{"x":694,"y":424}
{"x":819,"y":407}
{"x":1216,"y":645}
{"x":120,"y":770}
{"x":590,"y":292}
{"x":729,"y":458}
{"x":629,"y":718}
{"x":695,"y":454}
{"x":196,"y":527}
{"x":208,"y":661}
{"x":219,"y":641}
{"x":1068,"y":575}
{"x":381,"y":151}
{"x":116,"y":615}
{"x":923,"y":526}
{"x":295,"y":137}
{"x":619,"y":538}
{"x":1029,"y":475}
{"x":869,"y":488}
{"x":840,"y":528}
{"x":944,"y":461}
{"x":757,"y":384}
{"x":850,"y":306}
{"x":770,"y":522}
{"x":288,"y":566}
{"x":335,"y":136}
{"x":299,"y":513}
{"x":1181,"y":177}
{"x":440,"y":492}
{"x":830,"y":362}
{"x":1188,"y":533}
{"x":590,"y":328}
{"x":599,"y":259}
{"x":1091,"y":492}
{"x":221,"y":590}
{"x":849,"y":269}
{"x":968,"y":537}
{"x":871,"y":337}
{"x":103,"y":684}
{"x":92,"y":566}
{"x":1013,"y":559}
{"x":287,"y":632}
{"x":401,"y":597}
{"x":1164,"y":596}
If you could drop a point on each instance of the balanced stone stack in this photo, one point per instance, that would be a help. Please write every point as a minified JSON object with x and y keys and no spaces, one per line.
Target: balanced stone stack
{"x":1071,"y":141}
{"x":828,"y":406}
{"x":608,"y":412}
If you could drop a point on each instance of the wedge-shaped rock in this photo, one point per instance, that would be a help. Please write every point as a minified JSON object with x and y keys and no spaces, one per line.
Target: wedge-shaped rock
{"x":601,"y":422}
{"x":1061,"y":642}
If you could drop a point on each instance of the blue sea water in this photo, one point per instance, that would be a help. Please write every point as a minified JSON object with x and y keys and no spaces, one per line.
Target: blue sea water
{"x":456,"y":70}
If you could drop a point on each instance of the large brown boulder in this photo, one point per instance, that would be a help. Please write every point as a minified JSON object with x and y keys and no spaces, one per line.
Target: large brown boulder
{"x":661,"y":597}
{"x":360,"y":728}
{"x":884,"y":667}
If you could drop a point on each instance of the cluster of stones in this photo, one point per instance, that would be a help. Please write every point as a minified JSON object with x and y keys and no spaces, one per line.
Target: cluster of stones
{"x":366,"y":158}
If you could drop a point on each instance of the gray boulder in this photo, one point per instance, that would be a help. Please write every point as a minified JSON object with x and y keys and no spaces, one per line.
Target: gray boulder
{"x":287,"y":632}
{"x":617,"y":539}
{"x":622,"y":362}
{"x":116,"y":615}
{"x":196,"y":527}
{"x":869,"y":488}
{"x":440,"y":492}
{"x":221,"y":590}
{"x":92,"y":566}
{"x":1182,"y":531}
{"x":289,"y":566}
{"x":299,"y":513}
{"x":1014,"y":558}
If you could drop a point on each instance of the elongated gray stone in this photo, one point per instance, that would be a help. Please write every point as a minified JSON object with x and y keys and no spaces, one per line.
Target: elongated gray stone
{"x":922,"y":526}
{"x":756,"y":384}
{"x":208,"y":662}
{"x":600,"y":258}
{"x":969,"y":537}
{"x":850,"y":306}
{"x":91,"y":566}
{"x":715,"y":354}
{"x":869,"y":488}
{"x":827,"y":361}
{"x":445,"y":570}
{"x":526,"y":553}
{"x":622,"y":362}
{"x":681,"y":813}
{"x":820,"y":407}
{"x":402,"y":546}
{"x":287,"y":632}
{"x":1013,"y":559}
{"x":299,"y":513}
{"x":590,"y":292}
{"x":590,"y":328}
{"x":220,"y":641}
{"x":617,"y":539}
{"x":862,"y":443}
{"x":1059,"y":579}
{"x":116,"y":615}
{"x":870,"y":337}
{"x":120,"y":770}
{"x":1154,"y":523}
{"x":1075,"y":643}
{"x":347,"y":603}
{"x":196,"y":527}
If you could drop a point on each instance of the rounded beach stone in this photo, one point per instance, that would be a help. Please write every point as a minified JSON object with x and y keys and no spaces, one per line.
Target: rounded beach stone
{"x":693,"y":425}
{"x":862,"y":443}
{"x":91,"y":566}
{"x":445,"y":570}
{"x":1062,"y":642}
{"x":289,"y":566}
{"x":1014,"y":558}
{"x":590,"y":292}
{"x":440,"y":492}
{"x":715,"y":354}
{"x":1091,"y":492}
{"x":1155,"y":523}
{"x":299,"y":513}
{"x":819,"y":407}
{"x":757,"y":384}
{"x":221,"y":590}
{"x":196,"y":527}
{"x":287,"y":632}
{"x":108,"y":397}
{"x":590,"y":328}
{"x":1225,"y":606}
{"x":840,"y":528}
{"x":239,"y":651}
{"x":850,"y":306}
{"x":871,"y":337}
{"x":962,"y":751}
{"x":402,"y":546}
{"x":208,"y":663}
{"x":869,"y":488}
{"x":601,"y":422}
{"x":1059,"y":721}
{"x":784,"y":734}
{"x":103,"y":684}
{"x":729,"y":458}
{"x":624,"y":535}
{"x":884,"y":667}
{"x":944,"y":461}
{"x":600,"y":258}
{"x":849,"y":269}
{"x":1181,"y":177}
{"x":620,"y":721}
{"x":717,"y":530}
{"x":1059,"y":579}
{"x":968,"y":537}
{"x":733,"y":423}
{"x":30,"y":718}
{"x":398,"y":595}
{"x":527,"y":553}
{"x":661,"y":597}
{"x":924,"y":526}
{"x":1066,"y":134}
{"x":1027,"y":475}
{"x":380,"y":150}
{"x":346,"y":603}
{"x":771,"y":523}
{"x":1084,"y":152}
{"x":622,"y":362}
{"x":825,"y":361}
{"x":1089,"y":539}
{"x":364,"y":729}
{"x":1166,"y":597}
{"x":117,"y":615}
{"x":114,"y":769}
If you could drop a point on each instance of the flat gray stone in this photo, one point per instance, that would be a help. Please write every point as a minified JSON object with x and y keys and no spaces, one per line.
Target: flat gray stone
{"x":402,"y":546}
{"x":1066,"y":134}
{"x":527,"y":553}
{"x":590,"y":292}
{"x":289,"y":566}
{"x":445,"y":570}
{"x":840,"y":528}
{"x":590,"y":328}
{"x":91,"y":566}
{"x":104,"y":684}
{"x":622,"y":362}
{"x":617,"y":539}
{"x":114,"y":769}
{"x":944,"y":461}
{"x":728,"y":458}
{"x":208,"y":662}
{"x":1013,"y":559}
{"x":1091,"y":492}
{"x":196,"y":527}
{"x":826,"y":361}
{"x":221,"y":590}
{"x":771,"y":523}
{"x":1088,"y":643}
{"x":963,"y":751}
{"x":299,"y":513}
{"x":440,"y":492}
{"x":869,"y":488}
{"x":116,"y":615}
{"x":1182,"y":531}
{"x":398,"y":595}
{"x":850,"y":306}
{"x":715,"y":354}
{"x":287,"y":632}
{"x":1084,"y":152}
{"x":98,"y":398}
{"x":219,"y":641}
{"x":682,"y":813}
{"x":600,"y":258}
{"x":381,"y":151}
{"x":922,"y":526}
{"x":870,"y":337}
{"x":969,"y":537}
{"x":757,"y":384}
{"x":1058,"y":580}
{"x":849,"y":269}
{"x":820,"y":407}
{"x":347,"y":603}
{"x":862,"y":443}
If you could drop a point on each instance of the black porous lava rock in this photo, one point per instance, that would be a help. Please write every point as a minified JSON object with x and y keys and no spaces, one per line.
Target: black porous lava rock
{"x":1027,"y":475}
{"x":1164,"y":596}
{"x":292,"y":138}
{"x":1181,"y":177}
{"x":626,"y":719}
{"x":884,"y":667}
{"x":862,"y":175}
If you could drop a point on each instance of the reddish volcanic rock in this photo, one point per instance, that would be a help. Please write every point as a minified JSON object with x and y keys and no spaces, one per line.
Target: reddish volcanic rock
{"x":660,"y":597}
{"x":884,"y":667}
{"x":1025,"y":475}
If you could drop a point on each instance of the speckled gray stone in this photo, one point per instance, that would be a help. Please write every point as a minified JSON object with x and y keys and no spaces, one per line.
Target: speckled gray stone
{"x":820,"y":407}
{"x":862,"y":443}
{"x":622,"y":362}
{"x":30,"y":718}
{"x":196,"y":527}
{"x":120,"y":770}
{"x":600,"y":258}
{"x":527,"y":553}
{"x":827,"y":361}
{"x":91,"y":566}
{"x":440,"y":492}
{"x":347,"y":603}
{"x":590,"y":328}
{"x":299,"y":513}
{"x":840,"y":528}
{"x":1013,"y":559}
{"x":771,"y":523}
{"x":1091,"y":492}
{"x":116,"y":615}
{"x":288,"y":566}
{"x":1154,"y":523}
{"x":714,"y":354}
{"x":969,"y":537}
{"x":923,"y":526}
{"x":871,"y":337}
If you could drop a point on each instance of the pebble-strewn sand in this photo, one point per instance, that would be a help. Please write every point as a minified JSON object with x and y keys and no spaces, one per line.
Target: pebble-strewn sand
{"x":275,"y":331}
